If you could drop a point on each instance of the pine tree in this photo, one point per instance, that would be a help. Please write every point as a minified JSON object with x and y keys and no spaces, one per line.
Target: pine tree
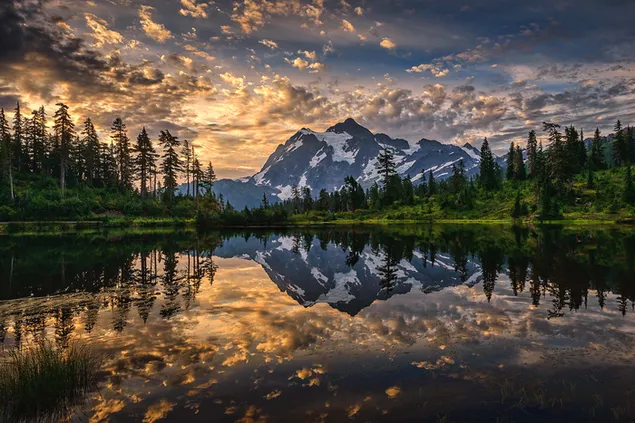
{"x":532,"y":150}
{"x":187,"y":162}
{"x":511,"y":162}
{"x":620,"y":146}
{"x":520,"y":173}
{"x":5,"y":151}
{"x":19,"y":156}
{"x":144,"y":161}
{"x":386,"y":165}
{"x":558,"y":164}
{"x":91,"y":151}
{"x":209,"y":179}
{"x":597,"y":153}
{"x":121,"y":142}
{"x":64,"y":131}
{"x":432,"y":185}
{"x":488,"y":178}
{"x":197,"y":176}
{"x":39,"y":140}
{"x":264,"y":203}
{"x":171,"y":165}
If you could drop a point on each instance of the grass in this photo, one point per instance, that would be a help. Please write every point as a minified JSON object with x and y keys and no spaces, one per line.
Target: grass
{"x":45,"y":382}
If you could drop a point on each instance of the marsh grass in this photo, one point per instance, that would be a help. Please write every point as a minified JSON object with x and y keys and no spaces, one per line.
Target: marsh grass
{"x":45,"y":382}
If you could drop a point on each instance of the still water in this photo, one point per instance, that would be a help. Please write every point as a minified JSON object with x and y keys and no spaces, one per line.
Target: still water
{"x":411,"y":323}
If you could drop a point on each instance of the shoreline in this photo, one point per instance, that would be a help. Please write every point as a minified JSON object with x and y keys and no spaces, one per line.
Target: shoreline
{"x":136,"y":223}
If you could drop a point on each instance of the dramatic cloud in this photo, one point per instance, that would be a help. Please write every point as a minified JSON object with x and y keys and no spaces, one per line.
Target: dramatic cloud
{"x":243,"y":76}
{"x":154,"y":30}
{"x":190,"y":8}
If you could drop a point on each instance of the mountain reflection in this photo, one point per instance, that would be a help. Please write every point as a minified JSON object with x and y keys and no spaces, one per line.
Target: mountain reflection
{"x":332,"y":324}
{"x":348,"y":270}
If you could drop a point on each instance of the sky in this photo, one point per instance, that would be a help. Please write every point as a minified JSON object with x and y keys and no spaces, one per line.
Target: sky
{"x":237,"y":78}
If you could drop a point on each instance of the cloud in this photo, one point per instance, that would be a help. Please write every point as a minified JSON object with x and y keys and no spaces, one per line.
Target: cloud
{"x":311,"y":55}
{"x":347,"y":26}
{"x":359,"y":11}
{"x":387,"y":43}
{"x":101,"y":34}
{"x":434,"y":69}
{"x":190,"y":8}
{"x":271,"y":44}
{"x":298,"y":62}
{"x":158,"y":32}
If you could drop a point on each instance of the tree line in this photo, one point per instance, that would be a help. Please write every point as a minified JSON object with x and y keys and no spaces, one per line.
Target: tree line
{"x":77,"y":156}
{"x":550,"y":170}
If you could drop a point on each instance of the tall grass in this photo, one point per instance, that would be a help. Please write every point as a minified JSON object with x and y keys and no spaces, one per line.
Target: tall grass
{"x":45,"y":382}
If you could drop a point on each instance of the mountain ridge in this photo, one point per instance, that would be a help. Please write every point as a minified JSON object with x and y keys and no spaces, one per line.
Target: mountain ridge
{"x":321,"y":160}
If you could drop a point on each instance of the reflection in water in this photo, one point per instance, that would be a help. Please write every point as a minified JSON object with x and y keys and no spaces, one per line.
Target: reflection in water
{"x":413,"y":323}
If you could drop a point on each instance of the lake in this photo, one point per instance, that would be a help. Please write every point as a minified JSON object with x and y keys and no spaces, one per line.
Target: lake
{"x":441,"y":323}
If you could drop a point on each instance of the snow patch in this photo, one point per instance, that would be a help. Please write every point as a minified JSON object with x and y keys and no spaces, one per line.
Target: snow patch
{"x":338,"y":143}
{"x":321,"y":155}
{"x":471,"y":153}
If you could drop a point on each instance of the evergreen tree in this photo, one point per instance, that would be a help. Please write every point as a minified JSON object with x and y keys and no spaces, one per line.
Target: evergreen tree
{"x":532,"y":151}
{"x":20,"y":156}
{"x":432,"y":185}
{"x":5,"y":152}
{"x":324,"y":200}
{"x":557,"y":162}
{"x":520,"y":172}
{"x":265,"y":202}
{"x":620,"y":146}
{"x":597,"y":152}
{"x":91,"y":151}
{"x":209,"y":178}
{"x":511,"y":162}
{"x":374,"y":197}
{"x":64,"y":131}
{"x":458,"y":179}
{"x":197,"y":176}
{"x":296,"y":198}
{"x":187,"y":162}
{"x":121,"y":142}
{"x":307,"y":199}
{"x":39,"y":140}
{"x":386,"y":165}
{"x":171,"y":165}
{"x":408,"y":197}
{"x":144,"y":161}
{"x":488,"y":177}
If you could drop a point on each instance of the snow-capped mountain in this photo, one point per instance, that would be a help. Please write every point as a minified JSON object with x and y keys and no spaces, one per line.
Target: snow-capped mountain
{"x":321,"y":160}
{"x":324,"y":273}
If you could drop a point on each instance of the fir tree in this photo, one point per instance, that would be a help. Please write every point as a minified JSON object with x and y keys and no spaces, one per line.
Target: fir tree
{"x":64,"y":131}
{"x":264,"y":203}
{"x":386,"y":165}
{"x":629,"y":190}
{"x":121,"y":142}
{"x":520,"y":172}
{"x":20,"y":155}
{"x":187,"y":162}
{"x":432,"y":185}
{"x":532,"y":151}
{"x":511,"y":162}
{"x":144,"y":161}
{"x":171,"y":165}
{"x":91,"y":151}
{"x":488,"y":177}
{"x":209,"y":178}
{"x":620,"y":145}
{"x":5,"y":151}
{"x":597,"y":153}
{"x":324,"y":200}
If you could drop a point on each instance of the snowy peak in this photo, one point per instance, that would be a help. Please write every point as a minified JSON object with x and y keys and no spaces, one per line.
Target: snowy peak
{"x":321,"y":160}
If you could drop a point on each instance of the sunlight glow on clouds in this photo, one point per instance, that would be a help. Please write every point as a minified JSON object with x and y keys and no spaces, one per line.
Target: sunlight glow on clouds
{"x":239,"y":77}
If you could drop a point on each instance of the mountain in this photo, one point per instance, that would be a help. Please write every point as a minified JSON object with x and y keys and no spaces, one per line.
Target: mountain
{"x":313,"y":272}
{"x":321,"y":160}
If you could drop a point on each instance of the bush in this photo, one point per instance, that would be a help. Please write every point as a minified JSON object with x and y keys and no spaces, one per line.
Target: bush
{"x":7,"y":213}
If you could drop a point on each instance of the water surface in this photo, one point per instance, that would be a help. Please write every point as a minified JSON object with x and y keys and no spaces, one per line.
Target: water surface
{"x":411,"y":323}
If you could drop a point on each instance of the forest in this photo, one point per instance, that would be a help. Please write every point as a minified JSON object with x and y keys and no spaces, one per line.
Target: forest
{"x":68,"y":173}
